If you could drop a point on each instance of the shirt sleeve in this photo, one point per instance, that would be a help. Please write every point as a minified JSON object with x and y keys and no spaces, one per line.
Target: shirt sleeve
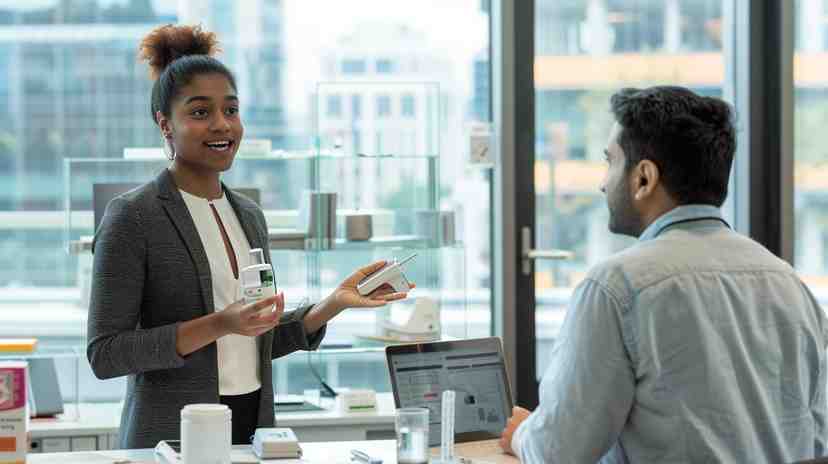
{"x":587,"y":391}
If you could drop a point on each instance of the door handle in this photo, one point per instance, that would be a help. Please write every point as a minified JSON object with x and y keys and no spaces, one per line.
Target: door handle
{"x":528,"y":253}
{"x":548,"y":254}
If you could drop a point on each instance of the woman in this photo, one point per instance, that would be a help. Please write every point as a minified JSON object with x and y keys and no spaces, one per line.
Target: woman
{"x":167,"y":255}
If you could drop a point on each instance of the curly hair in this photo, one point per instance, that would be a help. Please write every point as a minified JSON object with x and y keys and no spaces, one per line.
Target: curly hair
{"x":690,"y":138}
{"x":176,"y":55}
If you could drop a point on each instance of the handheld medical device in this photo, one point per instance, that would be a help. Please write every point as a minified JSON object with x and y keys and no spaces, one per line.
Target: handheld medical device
{"x":390,"y":274}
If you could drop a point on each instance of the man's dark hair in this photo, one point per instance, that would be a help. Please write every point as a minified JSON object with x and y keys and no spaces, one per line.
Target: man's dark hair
{"x":689,"y":137}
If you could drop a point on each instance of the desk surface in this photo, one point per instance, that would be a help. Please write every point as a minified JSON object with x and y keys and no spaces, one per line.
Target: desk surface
{"x":105,"y":418}
{"x":323,"y":452}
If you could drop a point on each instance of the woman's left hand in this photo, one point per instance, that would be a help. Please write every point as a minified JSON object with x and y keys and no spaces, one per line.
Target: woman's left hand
{"x":347,"y":296}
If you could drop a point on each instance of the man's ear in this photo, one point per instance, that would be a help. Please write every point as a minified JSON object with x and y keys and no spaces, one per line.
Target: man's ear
{"x":646,"y":177}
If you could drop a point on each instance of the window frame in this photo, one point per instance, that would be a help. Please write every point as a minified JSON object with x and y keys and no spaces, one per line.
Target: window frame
{"x":760,"y":66}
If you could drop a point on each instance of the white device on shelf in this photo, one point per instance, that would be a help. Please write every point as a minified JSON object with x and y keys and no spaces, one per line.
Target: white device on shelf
{"x":276,"y":443}
{"x":359,"y":400}
{"x":390,"y":274}
{"x":422,"y":325}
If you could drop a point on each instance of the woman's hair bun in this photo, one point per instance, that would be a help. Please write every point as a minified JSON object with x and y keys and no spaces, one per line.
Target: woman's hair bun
{"x":167,"y":43}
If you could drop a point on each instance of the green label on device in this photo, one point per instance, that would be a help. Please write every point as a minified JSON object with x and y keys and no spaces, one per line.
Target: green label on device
{"x":266,"y":276}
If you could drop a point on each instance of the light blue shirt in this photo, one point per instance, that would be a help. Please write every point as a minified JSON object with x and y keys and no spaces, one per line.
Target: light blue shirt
{"x":694,"y":345}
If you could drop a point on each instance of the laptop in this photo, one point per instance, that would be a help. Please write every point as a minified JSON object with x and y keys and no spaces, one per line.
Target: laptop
{"x":473,"y":368}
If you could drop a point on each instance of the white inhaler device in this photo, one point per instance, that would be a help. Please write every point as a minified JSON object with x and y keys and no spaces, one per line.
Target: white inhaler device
{"x":258,"y":281}
{"x":390,"y":274}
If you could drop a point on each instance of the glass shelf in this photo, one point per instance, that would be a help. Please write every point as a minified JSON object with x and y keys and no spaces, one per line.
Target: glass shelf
{"x":84,"y":244}
{"x":335,"y":155}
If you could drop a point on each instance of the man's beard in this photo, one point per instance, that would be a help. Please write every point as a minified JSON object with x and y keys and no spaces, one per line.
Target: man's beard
{"x":623,"y":219}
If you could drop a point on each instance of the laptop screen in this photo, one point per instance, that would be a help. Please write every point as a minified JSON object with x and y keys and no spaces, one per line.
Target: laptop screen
{"x":473,"y":368}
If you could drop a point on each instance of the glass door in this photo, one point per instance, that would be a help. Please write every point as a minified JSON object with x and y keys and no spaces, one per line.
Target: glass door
{"x":584,"y":51}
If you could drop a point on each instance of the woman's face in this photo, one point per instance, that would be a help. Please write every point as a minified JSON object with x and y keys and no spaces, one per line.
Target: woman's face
{"x":205,"y":128}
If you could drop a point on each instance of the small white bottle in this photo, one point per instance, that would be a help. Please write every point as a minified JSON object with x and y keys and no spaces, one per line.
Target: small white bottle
{"x":258,"y":280}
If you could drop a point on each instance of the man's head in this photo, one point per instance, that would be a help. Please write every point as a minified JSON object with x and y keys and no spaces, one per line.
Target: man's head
{"x":668,"y":147}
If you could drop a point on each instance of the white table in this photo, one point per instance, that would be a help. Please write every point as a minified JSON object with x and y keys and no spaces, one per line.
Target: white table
{"x":322,"y":453}
{"x":95,"y":426}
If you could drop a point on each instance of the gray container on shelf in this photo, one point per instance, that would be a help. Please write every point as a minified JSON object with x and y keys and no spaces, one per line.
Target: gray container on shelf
{"x":436,"y":227}
{"x":358,"y":227}
{"x":447,"y":228}
{"x":318,"y":219}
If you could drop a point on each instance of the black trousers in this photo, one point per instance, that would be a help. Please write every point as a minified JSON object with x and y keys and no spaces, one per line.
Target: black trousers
{"x":245,"y":415}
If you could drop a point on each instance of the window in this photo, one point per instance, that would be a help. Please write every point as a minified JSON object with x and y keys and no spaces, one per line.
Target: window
{"x":636,"y":26}
{"x":356,"y":106}
{"x":407,"y":104}
{"x":384,"y":66}
{"x":334,"y":106}
{"x":352,"y":66}
{"x":383,"y":106}
{"x":77,"y":91}
{"x":810,"y":155}
{"x":586,"y":51}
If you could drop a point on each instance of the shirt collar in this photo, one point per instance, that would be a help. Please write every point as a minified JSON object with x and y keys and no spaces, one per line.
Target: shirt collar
{"x":680,"y":214}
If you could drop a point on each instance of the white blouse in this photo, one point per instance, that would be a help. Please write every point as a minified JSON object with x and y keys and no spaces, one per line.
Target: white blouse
{"x":238,"y":355}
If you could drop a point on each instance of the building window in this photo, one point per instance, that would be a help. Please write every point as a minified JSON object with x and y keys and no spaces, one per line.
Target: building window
{"x":334,"y":106}
{"x":408,"y":107}
{"x":356,"y":135}
{"x":351,"y":66}
{"x":80,"y":104}
{"x":385,"y":66}
{"x":383,"y":106}
{"x":356,"y":106}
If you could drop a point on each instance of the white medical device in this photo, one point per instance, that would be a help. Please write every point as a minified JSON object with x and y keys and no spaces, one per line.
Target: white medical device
{"x":357,"y":400}
{"x":390,"y":274}
{"x":276,"y":443}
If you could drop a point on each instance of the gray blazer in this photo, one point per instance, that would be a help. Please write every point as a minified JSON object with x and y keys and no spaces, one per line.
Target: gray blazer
{"x":150,"y":274}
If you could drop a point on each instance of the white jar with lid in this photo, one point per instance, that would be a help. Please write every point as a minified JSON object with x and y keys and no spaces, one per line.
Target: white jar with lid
{"x":206,"y":434}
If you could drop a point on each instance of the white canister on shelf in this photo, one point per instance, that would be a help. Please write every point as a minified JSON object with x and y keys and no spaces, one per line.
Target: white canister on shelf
{"x":206,"y":434}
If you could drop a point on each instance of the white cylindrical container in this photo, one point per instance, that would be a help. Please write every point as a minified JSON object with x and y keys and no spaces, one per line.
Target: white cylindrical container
{"x":206,"y":434}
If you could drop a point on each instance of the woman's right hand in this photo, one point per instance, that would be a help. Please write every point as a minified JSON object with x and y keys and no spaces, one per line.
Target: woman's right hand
{"x":254,"y":319}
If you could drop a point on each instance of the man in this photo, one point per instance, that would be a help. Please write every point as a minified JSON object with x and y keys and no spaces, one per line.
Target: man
{"x":694,"y":345}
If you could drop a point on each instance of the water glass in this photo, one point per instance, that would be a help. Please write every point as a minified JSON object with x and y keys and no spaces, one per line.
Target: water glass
{"x":411,"y":425}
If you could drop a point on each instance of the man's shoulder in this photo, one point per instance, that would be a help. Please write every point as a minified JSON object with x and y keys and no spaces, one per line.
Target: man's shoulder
{"x":653,"y":261}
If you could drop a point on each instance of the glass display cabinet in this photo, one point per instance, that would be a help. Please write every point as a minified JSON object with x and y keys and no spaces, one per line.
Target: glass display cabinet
{"x":369,"y":191}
